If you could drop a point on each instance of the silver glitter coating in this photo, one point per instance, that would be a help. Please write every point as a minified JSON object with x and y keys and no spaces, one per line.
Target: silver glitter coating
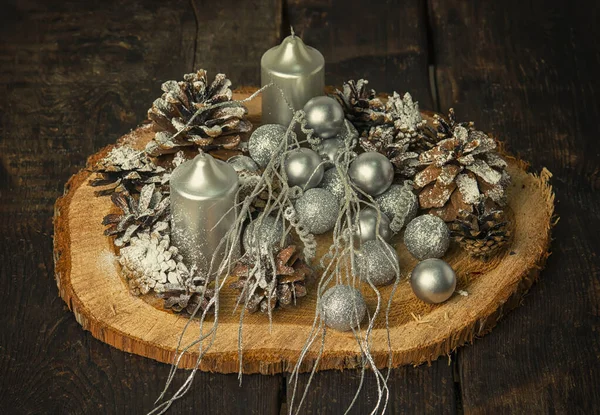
{"x":264,"y":141}
{"x":325,"y":116}
{"x":367,"y":225}
{"x":433,"y":281}
{"x":241,"y":163}
{"x":377,"y":262}
{"x":372,"y":173}
{"x":343,"y":307}
{"x":303,"y":168}
{"x":264,"y":235}
{"x":317,"y":210}
{"x":399,"y":204}
{"x":333,"y":183}
{"x":427,"y":236}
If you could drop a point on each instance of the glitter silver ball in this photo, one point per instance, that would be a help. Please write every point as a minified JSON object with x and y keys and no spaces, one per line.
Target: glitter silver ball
{"x":333,"y":183}
{"x":427,"y":236}
{"x":329,"y":149}
{"x":242,"y":163}
{"x":377,"y":261}
{"x":317,"y":210}
{"x":400,"y":205}
{"x":264,"y":141}
{"x":343,"y":307}
{"x":372,"y":173}
{"x":367,"y":225}
{"x":433,"y":281}
{"x":304,"y":168}
{"x":264,"y":236}
{"x":325,"y":116}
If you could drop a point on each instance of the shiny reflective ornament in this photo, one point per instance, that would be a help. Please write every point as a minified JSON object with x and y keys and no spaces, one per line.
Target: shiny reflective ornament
{"x":347,"y":133}
{"x":304,"y":168}
{"x":343,"y":307}
{"x":400,"y":205}
{"x":329,"y":150}
{"x":263,"y":235}
{"x":333,"y":183}
{"x":325,"y":116}
{"x":367,"y":225}
{"x":264,"y":142}
{"x":317,"y":210}
{"x":372,"y":173}
{"x":377,"y":261}
{"x":433,"y":281}
{"x":427,"y":236}
{"x":202,"y":198}
{"x":242,"y":163}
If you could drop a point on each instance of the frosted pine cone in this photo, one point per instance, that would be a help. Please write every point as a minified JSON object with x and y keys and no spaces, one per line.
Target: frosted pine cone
{"x":361,"y":105}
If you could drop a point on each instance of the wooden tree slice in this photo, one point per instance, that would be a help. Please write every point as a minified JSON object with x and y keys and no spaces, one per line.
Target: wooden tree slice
{"x":87,"y":275}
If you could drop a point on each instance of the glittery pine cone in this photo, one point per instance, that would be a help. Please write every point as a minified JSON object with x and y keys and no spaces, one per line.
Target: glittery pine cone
{"x":462,"y":170}
{"x":481,"y":232}
{"x":270,"y":290}
{"x":176,"y":124}
{"x":361,"y":106}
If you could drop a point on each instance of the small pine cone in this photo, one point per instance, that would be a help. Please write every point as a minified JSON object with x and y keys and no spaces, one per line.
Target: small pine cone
{"x":481,"y":232}
{"x":211,"y":130}
{"x":360,"y":104}
{"x":183,"y":299}
{"x":273,"y":291}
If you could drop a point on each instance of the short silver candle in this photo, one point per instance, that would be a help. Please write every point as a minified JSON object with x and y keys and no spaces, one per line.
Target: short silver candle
{"x":298,"y":71}
{"x":202,"y":198}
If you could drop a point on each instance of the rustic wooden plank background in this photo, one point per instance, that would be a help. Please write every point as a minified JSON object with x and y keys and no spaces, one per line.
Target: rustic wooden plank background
{"x":74,"y":76}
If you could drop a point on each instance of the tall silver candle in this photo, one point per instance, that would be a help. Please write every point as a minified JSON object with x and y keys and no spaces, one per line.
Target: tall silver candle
{"x":298,"y":70}
{"x":202,"y":196}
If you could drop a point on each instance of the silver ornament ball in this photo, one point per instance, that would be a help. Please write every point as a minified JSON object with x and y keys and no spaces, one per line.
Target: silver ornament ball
{"x":304,"y":168}
{"x":264,"y":141}
{"x":372,"y":173}
{"x":433,"y":281}
{"x":427,"y":236}
{"x":243,"y":163}
{"x":347,"y":133}
{"x":377,"y":262}
{"x":400,"y":205}
{"x":329,"y":149}
{"x":263,"y":236}
{"x":367,"y":225}
{"x":343,"y":307}
{"x":317,"y":210}
{"x":333,"y":183}
{"x":325,"y":116}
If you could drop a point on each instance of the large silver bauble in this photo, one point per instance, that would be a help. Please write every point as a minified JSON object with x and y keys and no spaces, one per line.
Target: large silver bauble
{"x":304,"y":168}
{"x":400,"y":205}
{"x":263,"y":237}
{"x":264,"y":142}
{"x":433,"y":281}
{"x":325,"y":116}
{"x":343,"y":307}
{"x":367,"y":225}
{"x":333,"y":183}
{"x":427,"y":236}
{"x":242,"y":163}
{"x":372,"y":173}
{"x":317,"y":210}
{"x":377,"y":262}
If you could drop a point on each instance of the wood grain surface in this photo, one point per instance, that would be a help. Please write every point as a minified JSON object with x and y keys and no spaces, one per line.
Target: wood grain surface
{"x":75,"y":76}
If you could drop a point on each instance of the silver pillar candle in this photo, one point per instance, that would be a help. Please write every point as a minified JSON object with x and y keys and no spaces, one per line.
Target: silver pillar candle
{"x":298,"y":73}
{"x":202,"y":197}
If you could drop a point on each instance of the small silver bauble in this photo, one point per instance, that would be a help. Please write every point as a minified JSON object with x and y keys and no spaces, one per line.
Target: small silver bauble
{"x":325,"y":116}
{"x":242,"y":163}
{"x":427,"y":236}
{"x":264,"y":236}
{"x":343,"y":307}
{"x":317,"y":210}
{"x":304,"y":168}
{"x":372,"y":173}
{"x":377,"y":262}
{"x":367,"y":225}
{"x":433,"y":281}
{"x":333,"y":182}
{"x":264,"y":141}
{"x":400,"y":205}
{"x":347,"y":133}
{"x":329,"y":149}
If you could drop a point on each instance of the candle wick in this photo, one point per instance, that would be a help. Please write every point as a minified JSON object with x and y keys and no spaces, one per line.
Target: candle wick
{"x":292,"y":30}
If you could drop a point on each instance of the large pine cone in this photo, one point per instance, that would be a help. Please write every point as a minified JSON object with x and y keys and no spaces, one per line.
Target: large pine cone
{"x":210,"y":130}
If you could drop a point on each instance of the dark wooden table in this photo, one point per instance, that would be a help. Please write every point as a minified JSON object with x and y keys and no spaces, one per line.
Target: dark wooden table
{"x":76,"y":75}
